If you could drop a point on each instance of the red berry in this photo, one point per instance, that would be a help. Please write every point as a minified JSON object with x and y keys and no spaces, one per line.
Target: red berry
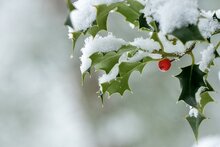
{"x":164,"y":64}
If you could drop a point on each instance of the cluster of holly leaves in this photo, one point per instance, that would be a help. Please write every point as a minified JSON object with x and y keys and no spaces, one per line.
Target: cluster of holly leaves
{"x":191,"y":77}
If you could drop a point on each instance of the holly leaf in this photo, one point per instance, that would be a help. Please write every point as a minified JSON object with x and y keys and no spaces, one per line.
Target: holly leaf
{"x":135,"y":5}
{"x":188,"y":33}
{"x":102,"y":14}
{"x":93,"y":30}
{"x":70,"y":5}
{"x":191,"y":79}
{"x":131,"y":11}
{"x":76,"y":35}
{"x":143,"y":23}
{"x":120,"y":84}
{"x":205,"y":99}
{"x":195,"y":123}
{"x":106,"y":61}
{"x":68,"y":22}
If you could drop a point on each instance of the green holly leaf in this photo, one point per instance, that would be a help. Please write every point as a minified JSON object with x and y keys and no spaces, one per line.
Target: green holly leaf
{"x":188,"y":33}
{"x":216,"y":52}
{"x":76,"y":35}
{"x":205,"y":96}
{"x":120,"y":84}
{"x":102,"y":14}
{"x":195,"y":123}
{"x":135,"y":5}
{"x":205,"y":99}
{"x":68,"y":22}
{"x":106,"y":61}
{"x":70,"y":5}
{"x":191,"y":79}
{"x":131,"y":11}
{"x":93,"y":30}
{"x":143,"y":23}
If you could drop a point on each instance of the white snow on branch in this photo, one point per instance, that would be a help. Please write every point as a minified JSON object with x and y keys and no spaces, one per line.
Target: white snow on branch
{"x":172,"y":14}
{"x":147,"y":44}
{"x":85,"y":13}
{"x":139,"y":56}
{"x":207,"y":57}
{"x":170,"y":47}
{"x":98,"y":44}
{"x":207,"y":25}
{"x":83,"y":18}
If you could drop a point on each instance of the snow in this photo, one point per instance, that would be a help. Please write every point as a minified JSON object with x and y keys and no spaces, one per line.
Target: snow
{"x":85,"y":13}
{"x":218,"y":13}
{"x":207,"y":25}
{"x":207,"y":57}
{"x":193,"y":112}
{"x":172,"y":14}
{"x":207,"y":14}
{"x":70,"y":32}
{"x":83,"y":18}
{"x":198,"y":93}
{"x":141,"y":55}
{"x":212,"y":141}
{"x":98,"y":44}
{"x":110,"y":76}
{"x":147,"y":44}
{"x":169,"y":47}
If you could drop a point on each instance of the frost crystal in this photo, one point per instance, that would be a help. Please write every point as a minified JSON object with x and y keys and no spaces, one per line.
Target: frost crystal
{"x":98,"y":44}
{"x":85,"y":13}
{"x":207,"y":57}
{"x":172,"y":14}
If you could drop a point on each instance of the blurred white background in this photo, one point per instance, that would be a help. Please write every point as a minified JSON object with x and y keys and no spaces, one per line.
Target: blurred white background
{"x":42,"y":102}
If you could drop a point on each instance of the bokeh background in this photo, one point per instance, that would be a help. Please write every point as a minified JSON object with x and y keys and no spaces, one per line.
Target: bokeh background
{"x":42,"y":101}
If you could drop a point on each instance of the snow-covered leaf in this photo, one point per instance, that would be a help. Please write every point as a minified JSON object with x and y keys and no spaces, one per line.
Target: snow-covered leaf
{"x":120,"y":84}
{"x":101,"y":61}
